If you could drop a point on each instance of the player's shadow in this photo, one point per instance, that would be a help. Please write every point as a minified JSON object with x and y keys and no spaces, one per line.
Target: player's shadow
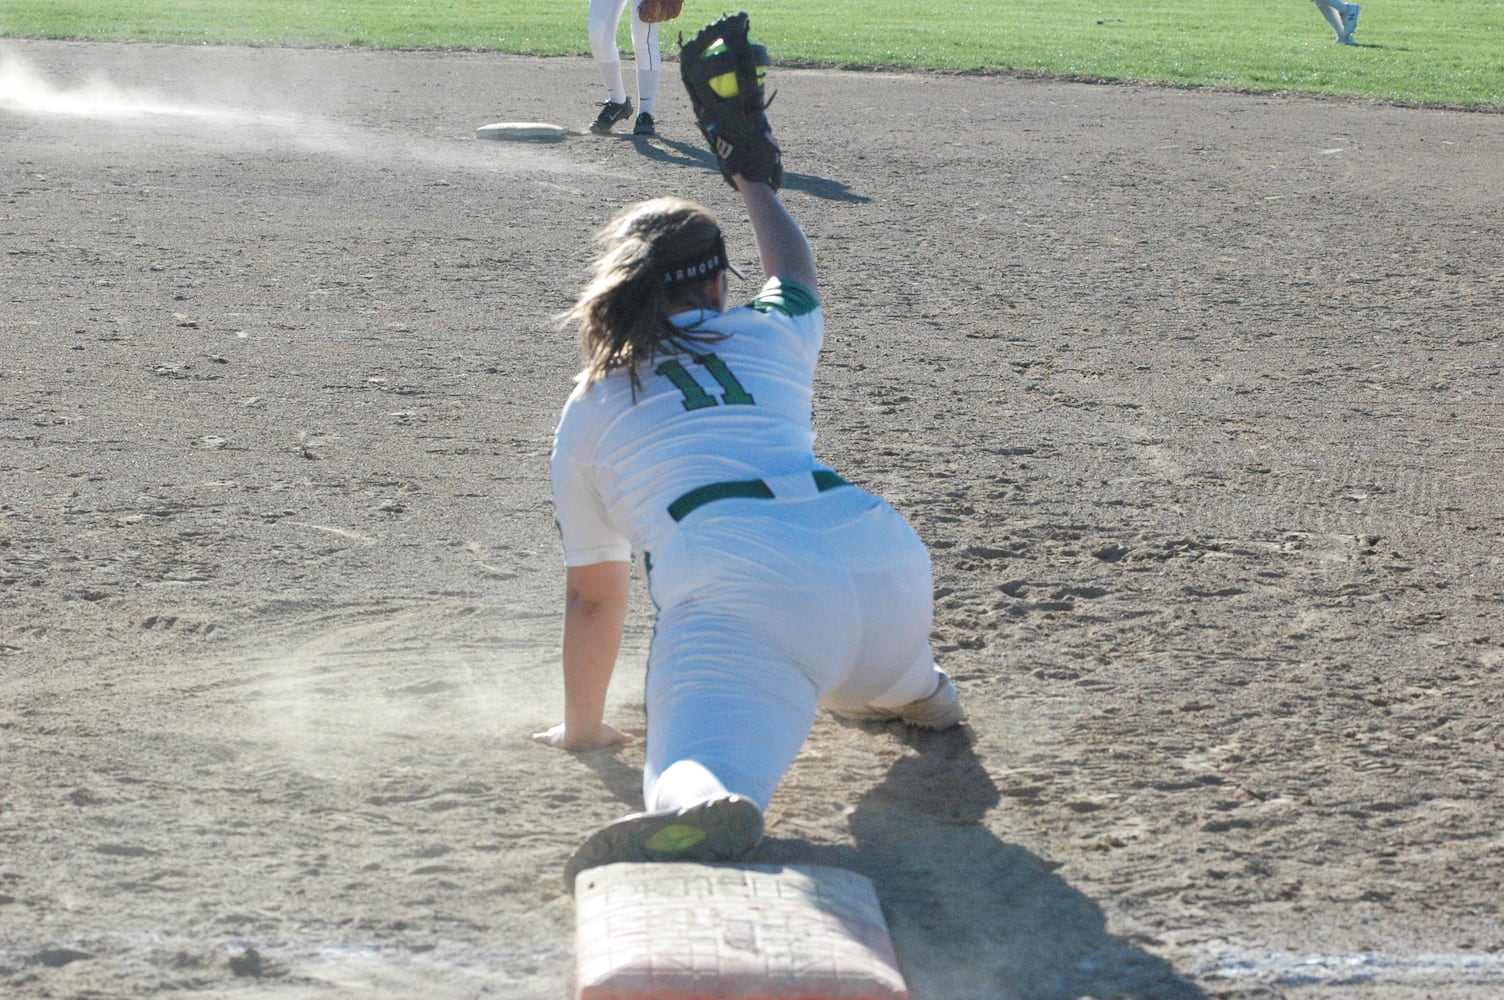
{"x":682,"y":154}
{"x":971,"y":915}
{"x":619,"y":777}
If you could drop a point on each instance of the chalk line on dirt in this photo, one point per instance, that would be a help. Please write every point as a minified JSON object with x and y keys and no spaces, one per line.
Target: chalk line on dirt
{"x":1370,"y":967}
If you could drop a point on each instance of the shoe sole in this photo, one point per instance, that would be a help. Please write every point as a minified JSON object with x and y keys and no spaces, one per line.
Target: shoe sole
{"x":722,"y":829}
{"x":941,"y":710}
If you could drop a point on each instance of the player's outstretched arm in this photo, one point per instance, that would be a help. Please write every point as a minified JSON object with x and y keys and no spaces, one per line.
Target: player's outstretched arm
{"x":723,"y":72}
{"x":781,"y":244}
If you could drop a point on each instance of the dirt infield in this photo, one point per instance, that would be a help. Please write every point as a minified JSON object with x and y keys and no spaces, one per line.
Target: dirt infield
{"x":1195,"y":396}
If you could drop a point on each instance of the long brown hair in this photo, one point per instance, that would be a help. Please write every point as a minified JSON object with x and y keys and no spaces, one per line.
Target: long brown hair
{"x":658,"y":257}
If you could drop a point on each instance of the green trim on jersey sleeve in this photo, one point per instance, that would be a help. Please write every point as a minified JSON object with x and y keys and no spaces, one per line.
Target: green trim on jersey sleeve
{"x":788,"y":297}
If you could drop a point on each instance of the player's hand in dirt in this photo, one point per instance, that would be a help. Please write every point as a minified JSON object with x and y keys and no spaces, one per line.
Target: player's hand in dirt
{"x":605,"y":735}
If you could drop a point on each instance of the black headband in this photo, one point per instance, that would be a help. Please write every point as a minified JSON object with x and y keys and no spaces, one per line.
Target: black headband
{"x":703,"y":267}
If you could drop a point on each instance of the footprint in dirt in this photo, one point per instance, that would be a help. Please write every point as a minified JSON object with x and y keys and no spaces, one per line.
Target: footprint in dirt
{"x":163,"y":623}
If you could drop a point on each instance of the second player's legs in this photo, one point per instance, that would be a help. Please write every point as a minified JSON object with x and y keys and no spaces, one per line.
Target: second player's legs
{"x":649,"y":61}
{"x":605,"y":17}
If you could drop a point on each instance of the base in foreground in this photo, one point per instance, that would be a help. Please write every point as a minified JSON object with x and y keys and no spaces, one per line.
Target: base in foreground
{"x":679,"y":931}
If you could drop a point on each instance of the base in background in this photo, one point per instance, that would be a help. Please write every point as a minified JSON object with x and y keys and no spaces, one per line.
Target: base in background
{"x":521,"y":132}
{"x":757,"y":932}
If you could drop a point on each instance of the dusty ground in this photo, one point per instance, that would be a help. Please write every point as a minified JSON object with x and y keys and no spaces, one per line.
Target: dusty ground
{"x":1195,"y":397}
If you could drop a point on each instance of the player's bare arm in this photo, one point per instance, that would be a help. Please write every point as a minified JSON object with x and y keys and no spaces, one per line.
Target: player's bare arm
{"x":781,"y":244}
{"x":595,"y":609}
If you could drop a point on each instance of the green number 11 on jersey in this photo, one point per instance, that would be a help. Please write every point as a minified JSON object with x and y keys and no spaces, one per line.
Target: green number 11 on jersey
{"x":695,"y":396}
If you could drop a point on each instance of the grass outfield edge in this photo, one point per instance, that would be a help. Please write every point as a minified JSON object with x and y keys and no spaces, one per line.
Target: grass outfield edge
{"x":1012,"y":73}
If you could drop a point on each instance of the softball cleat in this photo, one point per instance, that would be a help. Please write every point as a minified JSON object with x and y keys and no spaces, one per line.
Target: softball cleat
{"x":940,"y":710}
{"x":726,"y":828}
{"x":611,"y":113}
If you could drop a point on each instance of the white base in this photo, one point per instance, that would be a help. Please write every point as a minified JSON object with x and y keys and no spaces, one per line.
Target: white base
{"x":521,"y":132}
{"x":757,"y":932}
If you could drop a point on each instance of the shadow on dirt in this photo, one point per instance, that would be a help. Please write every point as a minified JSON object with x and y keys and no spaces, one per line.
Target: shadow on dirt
{"x":684,"y":154}
{"x":1000,"y":923}
{"x":622,"y":780}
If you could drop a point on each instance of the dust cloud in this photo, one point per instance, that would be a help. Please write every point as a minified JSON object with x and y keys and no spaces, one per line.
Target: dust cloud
{"x":25,"y":90}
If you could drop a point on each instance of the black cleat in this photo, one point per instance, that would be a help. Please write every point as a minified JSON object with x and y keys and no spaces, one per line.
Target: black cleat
{"x":644,"y":125}
{"x":611,"y":113}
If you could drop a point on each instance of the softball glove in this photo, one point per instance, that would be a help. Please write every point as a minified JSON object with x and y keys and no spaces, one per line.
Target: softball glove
{"x":723,"y":72}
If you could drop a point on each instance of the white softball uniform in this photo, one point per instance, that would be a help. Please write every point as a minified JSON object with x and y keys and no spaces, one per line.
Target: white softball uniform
{"x":779,"y":587}
{"x":605,"y":16}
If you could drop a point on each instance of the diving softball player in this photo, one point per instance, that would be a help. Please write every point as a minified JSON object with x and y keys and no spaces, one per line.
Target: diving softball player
{"x":605,"y":16}
{"x":779,"y":587}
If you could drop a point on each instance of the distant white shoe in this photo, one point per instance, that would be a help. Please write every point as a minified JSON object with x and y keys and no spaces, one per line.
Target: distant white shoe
{"x":940,"y":710}
{"x":1349,"y":25}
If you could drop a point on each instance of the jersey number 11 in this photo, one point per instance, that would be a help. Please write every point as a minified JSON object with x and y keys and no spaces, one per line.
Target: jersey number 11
{"x":695,"y":396}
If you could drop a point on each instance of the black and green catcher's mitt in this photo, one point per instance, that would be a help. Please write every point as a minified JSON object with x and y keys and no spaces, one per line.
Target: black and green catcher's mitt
{"x":723,"y":71}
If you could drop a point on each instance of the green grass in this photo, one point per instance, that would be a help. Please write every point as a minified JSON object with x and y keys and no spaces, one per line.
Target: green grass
{"x":1413,"y":51}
